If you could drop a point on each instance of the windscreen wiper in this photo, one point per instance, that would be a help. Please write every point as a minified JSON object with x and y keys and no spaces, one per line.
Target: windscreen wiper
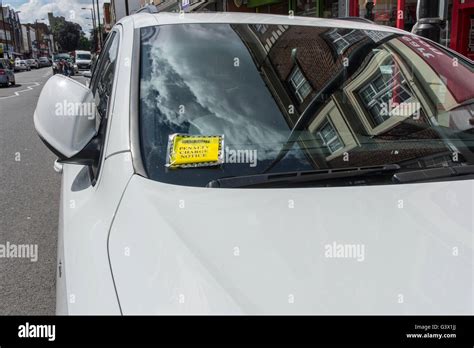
{"x":390,"y":173}
{"x":421,"y":175}
{"x":303,"y":177}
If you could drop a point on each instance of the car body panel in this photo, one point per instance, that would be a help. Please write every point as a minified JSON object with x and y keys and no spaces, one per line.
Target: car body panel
{"x":86,"y":213}
{"x":263,"y":251}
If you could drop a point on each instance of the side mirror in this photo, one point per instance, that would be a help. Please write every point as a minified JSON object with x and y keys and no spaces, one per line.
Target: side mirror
{"x":87,"y":74}
{"x":65,"y":120}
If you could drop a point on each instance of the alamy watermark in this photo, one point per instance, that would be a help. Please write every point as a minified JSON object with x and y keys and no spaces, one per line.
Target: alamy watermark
{"x":75,"y":109}
{"x":345,"y":251}
{"x":241,"y":156}
{"x":28,"y":330}
{"x":23,"y":251}
{"x":393,"y":108}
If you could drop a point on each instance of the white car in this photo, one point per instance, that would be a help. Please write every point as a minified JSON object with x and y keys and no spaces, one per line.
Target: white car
{"x":33,"y":63}
{"x":241,"y":163}
{"x":21,"y":65}
{"x":82,"y":61}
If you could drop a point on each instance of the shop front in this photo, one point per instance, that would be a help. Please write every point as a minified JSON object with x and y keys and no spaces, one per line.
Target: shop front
{"x":394,"y":13}
{"x":322,"y":8}
{"x":462,"y":28}
{"x":457,"y":16}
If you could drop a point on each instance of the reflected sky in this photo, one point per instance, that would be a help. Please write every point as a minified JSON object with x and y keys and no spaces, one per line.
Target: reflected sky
{"x":217,"y":90}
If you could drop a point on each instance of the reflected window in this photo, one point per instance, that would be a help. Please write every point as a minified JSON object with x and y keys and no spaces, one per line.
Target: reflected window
{"x":329,"y":137}
{"x":342,"y":39}
{"x":261,"y":28}
{"x":383,"y":92}
{"x":300,"y":84}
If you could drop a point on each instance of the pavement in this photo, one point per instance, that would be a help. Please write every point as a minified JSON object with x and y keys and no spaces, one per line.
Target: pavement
{"x":29,"y":201}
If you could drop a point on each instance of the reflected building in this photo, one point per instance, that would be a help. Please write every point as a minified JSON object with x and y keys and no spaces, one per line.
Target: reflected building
{"x":368,"y":96}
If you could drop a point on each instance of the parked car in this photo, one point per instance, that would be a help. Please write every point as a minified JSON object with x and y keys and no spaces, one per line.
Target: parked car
{"x":28,"y":67}
{"x":7,"y":75}
{"x":344,"y":185}
{"x":44,"y":62}
{"x":21,"y":65}
{"x":33,"y":63}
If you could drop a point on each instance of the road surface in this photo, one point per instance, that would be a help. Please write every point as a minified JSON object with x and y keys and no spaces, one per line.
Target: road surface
{"x":29,"y":201}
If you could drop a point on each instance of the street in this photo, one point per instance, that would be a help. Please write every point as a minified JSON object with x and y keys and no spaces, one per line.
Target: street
{"x":29,"y":191}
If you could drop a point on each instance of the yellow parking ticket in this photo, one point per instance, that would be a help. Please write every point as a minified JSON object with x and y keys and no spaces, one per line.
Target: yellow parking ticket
{"x":191,"y":151}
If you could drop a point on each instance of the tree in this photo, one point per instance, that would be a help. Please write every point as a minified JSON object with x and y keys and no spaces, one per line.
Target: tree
{"x":84,"y":43}
{"x":69,"y":36}
{"x":66,"y":34}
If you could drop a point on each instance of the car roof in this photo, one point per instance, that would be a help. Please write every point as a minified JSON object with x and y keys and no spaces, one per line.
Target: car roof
{"x":141,"y":20}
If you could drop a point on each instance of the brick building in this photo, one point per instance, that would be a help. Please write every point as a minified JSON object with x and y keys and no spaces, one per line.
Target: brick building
{"x":457,"y":16}
{"x":306,"y":71}
{"x":10,"y":32}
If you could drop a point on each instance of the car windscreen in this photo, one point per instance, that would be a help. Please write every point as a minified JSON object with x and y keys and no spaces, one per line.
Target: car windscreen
{"x":83,"y":56}
{"x":348,"y":97}
{"x":58,"y":58}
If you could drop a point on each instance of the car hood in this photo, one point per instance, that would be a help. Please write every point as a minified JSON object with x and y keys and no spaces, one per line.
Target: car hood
{"x":394,"y":249}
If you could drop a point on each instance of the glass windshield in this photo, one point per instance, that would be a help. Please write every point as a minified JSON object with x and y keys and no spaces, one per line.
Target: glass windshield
{"x":357,"y":97}
{"x":84,"y":56}
{"x":62,"y":56}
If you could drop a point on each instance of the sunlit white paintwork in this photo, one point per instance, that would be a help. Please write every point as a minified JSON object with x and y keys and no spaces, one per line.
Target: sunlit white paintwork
{"x":176,"y":249}
{"x":66,"y":132}
{"x":263,"y":251}
{"x":86,"y":213}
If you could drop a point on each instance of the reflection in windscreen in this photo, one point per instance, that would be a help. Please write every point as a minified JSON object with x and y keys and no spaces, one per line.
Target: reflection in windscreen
{"x":354,"y":98}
